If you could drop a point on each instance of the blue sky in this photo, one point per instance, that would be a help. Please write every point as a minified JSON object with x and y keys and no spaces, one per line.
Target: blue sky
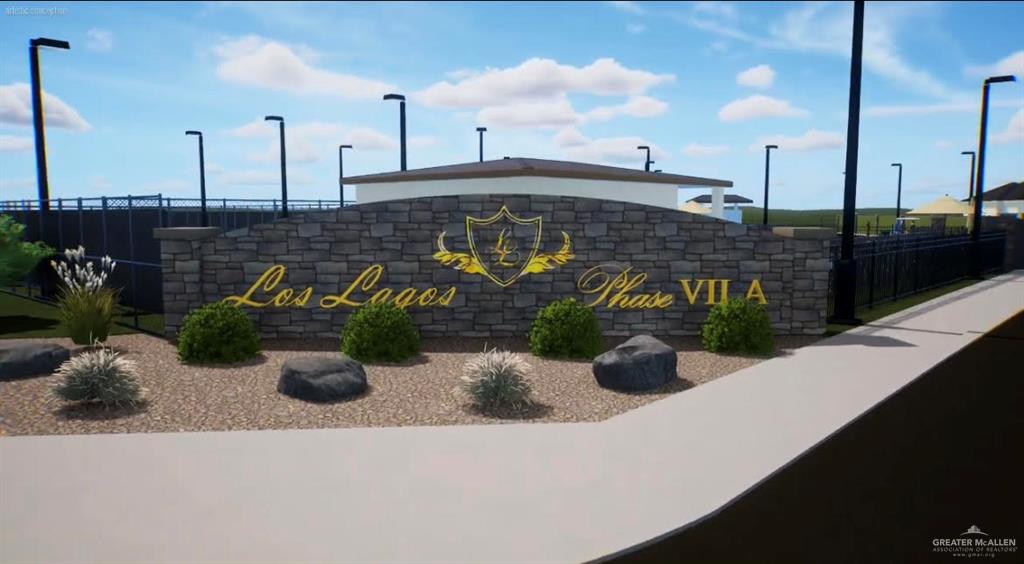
{"x":705,"y":83}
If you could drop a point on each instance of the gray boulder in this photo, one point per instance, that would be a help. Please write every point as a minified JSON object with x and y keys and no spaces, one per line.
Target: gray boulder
{"x":24,"y":361}
{"x":321,"y":379}
{"x":641,"y":363}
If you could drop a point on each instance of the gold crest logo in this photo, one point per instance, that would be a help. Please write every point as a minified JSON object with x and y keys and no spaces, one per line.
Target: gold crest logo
{"x":504,"y":248}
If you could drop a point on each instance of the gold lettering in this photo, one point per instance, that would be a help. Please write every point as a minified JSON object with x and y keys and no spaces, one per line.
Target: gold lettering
{"x":270,"y":278}
{"x":755,"y":292}
{"x":691,"y":295}
{"x":303,"y":298}
{"x":366,"y":280}
{"x":427,"y":297}
{"x":405,"y":298}
{"x":446,"y":298}
{"x":282,"y":297}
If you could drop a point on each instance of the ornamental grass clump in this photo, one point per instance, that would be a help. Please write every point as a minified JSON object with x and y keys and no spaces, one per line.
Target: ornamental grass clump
{"x":738,"y":326}
{"x":101,"y":376}
{"x":380,"y":332}
{"x":496,"y":379}
{"x":566,"y":329}
{"x":85,"y":304}
{"x":219,"y":333}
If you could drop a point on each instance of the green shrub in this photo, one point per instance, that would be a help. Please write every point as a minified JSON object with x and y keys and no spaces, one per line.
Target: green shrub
{"x":566,"y":329}
{"x":496,"y":379}
{"x":218,"y":333}
{"x":99,"y":375}
{"x":738,"y":326}
{"x":87,"y":316}
{"x":17,"y":258}
{"x":380,"y":333}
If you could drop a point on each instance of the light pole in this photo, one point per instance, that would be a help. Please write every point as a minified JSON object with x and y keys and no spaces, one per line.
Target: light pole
{"x":202,"y":177}
{"x":767,"y":158}
{"x":846,"y":267}
{"x":647,"y":160}
{"x":37,"y":115}
{"x":970,"y":185}
{"x":899,"y":188}
{"x":401,"y":120}
{"x":284,"y":172}
{"x":979,"y":180}
{"x":341,"y":175}
{"x":481,"y":131}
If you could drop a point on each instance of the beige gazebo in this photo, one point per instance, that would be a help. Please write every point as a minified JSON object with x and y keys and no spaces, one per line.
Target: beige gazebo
{"x":940,"y":209}
{"x":694,"y":207}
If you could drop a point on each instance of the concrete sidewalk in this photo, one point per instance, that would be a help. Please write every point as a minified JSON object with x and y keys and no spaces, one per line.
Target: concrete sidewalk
{"x":524,"y":493}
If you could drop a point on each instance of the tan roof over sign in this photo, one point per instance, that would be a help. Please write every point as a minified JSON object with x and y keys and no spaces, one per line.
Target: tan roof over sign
{"x":535,"y":167}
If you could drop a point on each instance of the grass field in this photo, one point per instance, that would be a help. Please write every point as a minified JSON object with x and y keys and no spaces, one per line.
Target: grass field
{"x":832,"y":218}
{"x":24,"y":318}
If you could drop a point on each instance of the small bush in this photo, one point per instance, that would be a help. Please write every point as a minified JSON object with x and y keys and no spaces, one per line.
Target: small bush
{"x":738,"y":326}
{"x":380,"y":333}
{"x":566,"y":329}
{"x":17,"y":257}
{"x":87,"y":316}
{"x":99,"y":375}
{"x":217,"y":333}
{"x":496,"y":379}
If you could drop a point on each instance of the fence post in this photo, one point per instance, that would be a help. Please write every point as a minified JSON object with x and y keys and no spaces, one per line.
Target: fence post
{"x":897,"y":248}
{"x":131,"y":266}
{"x":60,"y":223}
{"x":224,"y":214}
{"x":160,"y":209}
{"x":103,"y":222}
{"x":871,"y":285}
{"x":81,"y":224}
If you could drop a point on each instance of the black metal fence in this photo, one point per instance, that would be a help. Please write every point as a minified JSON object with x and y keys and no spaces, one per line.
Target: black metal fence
{"x":889,"y":268}
{"x":122,"y":227}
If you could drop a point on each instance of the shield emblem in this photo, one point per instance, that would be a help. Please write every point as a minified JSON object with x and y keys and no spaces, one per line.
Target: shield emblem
{"x":503,"y":244}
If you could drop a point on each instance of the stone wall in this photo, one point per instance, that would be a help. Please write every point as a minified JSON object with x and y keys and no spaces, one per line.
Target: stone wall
{"x":327,"y":251}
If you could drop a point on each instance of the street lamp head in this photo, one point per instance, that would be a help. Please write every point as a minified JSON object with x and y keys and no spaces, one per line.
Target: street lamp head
{"x":771,"y":146}
{"x":194,"y":132}
{"x":897,"y":164}
{"x":1004,"y":78}
{"x":344,"y":146}
{"x":394,"y":97}
{"x":44,"y":42}
{"x":966,"y":152}
{"x":641,"y":147}
{"x":481,"y":129}
{"x":274,"y":118}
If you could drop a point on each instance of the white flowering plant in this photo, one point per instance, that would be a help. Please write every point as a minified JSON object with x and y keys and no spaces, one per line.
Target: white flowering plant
{"x":79,"y":278}
{"x":99,"y":375}
{"x":496,"y":380}
{"x":86,"y":304}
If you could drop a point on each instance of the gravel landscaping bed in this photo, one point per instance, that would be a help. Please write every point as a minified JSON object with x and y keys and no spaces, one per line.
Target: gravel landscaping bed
{"x":418,"y":392}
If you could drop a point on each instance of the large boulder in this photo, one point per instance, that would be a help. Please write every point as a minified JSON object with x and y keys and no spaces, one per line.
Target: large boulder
{"x":36,"y":359}
{"x":322,"y":379}
{"x":641,"y":363}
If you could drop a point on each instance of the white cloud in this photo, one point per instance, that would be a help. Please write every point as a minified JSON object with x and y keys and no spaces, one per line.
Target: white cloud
{"x":1011,"y":64}
{"x":637,"y":106}
{"x":100,"y":40}
{"x":761,"y":76}
{"x":635,"y":28}
{"x":941,"y":108}
{"x":542,"y":114}
{"x":540,"y":79}
{"x":307,"y":142}
{"x":13,"y":144}
{"x":16,"y":108}
{"x":812,"y":140}
{"x":697,"y":150}
{"x":758,"y":106}
{"x":1014,"y":130}
{"x":255,"y":61}
{"x":722,"y":9}
{"x":627,"y":6}
{"x":618,"y":150}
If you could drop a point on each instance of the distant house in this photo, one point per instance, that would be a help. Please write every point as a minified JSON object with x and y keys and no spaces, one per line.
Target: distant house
{"x":732,"y":212}
{"x":536,"y":176}
{"x":1006,"y":199}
